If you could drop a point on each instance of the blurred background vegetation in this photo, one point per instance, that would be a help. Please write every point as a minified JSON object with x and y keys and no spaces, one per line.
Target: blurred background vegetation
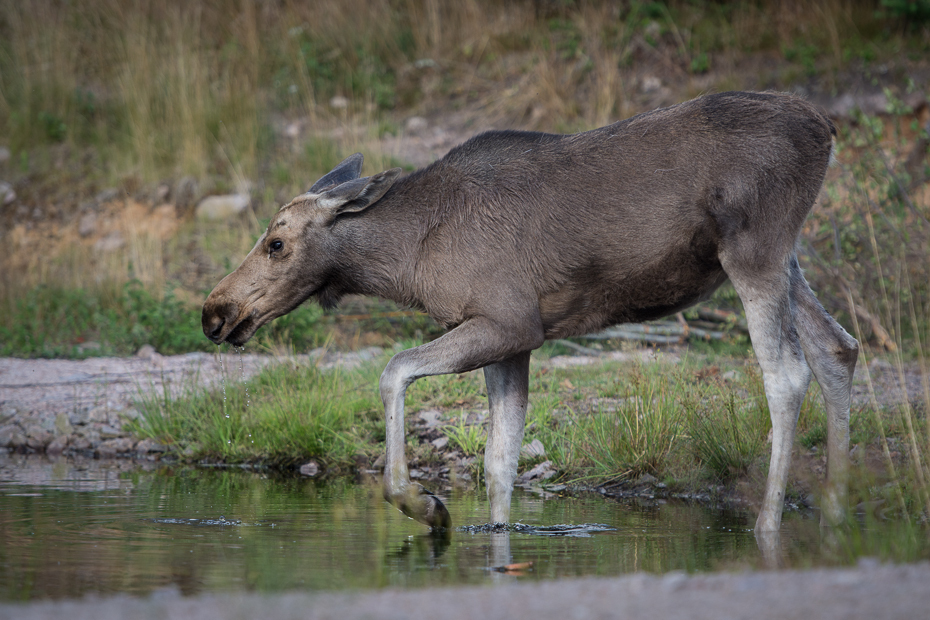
{"x":117,"y":118}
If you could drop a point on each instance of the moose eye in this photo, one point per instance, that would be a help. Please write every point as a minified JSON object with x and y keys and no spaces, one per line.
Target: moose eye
{"x":276,"y":245}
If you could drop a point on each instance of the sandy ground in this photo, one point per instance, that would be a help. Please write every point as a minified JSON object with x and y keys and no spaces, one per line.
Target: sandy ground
{"x":869,"y":591}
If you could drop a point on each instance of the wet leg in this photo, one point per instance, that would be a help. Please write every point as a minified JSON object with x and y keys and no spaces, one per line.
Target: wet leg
{"x":785,"y":374}
{"x":831,"y":353}
{"x":508,"y":385}
{"x":476,"y":343}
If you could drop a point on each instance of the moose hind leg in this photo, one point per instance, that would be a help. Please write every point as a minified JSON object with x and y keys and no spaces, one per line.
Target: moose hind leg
{"x":831,"y":354}
{"x":508,"y":385}
{"x":785,"y":374}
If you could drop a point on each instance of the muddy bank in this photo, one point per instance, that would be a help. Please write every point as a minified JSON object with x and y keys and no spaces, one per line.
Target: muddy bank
{"x":867,"y":591}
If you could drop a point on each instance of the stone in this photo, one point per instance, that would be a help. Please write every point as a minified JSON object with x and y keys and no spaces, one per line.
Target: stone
{"x":543,"y":471}
{"x":7,"y":193}
{"x":440,"y":442}
{"x":416,"y":125}
{"x":339,"y":103}
{"x":6,"y":435}
{"x":147,"y":446}
{"x":533,"y":450}
{"x":110,"y":432}
{"x":112,"y":447}
{"x":221,"y":207}
{"x":430,"y":417}
{"x":646,"y":479}
{"x":111,"y":242}
{"x":107,"y":195}
{"x":146,"y":351}
{"x":185,"y":194}
{"x":4,"y":154}
{"x":38,"y":439}
{"x":87,"y":225}
{"x":58,"y":445}
{"x":79,"y":443}
{"x":63,"y":424}
{"x":309,"y":469}
{"x":99,"y":414}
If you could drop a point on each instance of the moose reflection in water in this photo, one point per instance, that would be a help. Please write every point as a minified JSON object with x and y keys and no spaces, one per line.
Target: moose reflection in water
{"x":517,"y":237}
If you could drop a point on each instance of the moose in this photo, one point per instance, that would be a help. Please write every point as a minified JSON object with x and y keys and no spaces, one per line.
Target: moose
{"x":516,"y":237}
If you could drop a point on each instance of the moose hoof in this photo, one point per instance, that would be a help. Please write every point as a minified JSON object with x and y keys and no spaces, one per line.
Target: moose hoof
{"x":421,"y":505}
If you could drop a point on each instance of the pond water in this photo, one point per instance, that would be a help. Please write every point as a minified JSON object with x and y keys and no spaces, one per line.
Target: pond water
{"x":73,"y":528}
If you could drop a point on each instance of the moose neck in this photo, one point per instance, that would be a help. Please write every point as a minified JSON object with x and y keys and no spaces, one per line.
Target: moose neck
{"x":374,"y":249}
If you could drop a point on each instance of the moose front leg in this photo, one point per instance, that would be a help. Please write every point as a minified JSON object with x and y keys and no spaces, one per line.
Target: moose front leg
{"x":508,"y":386}
{"x":474,"y":344}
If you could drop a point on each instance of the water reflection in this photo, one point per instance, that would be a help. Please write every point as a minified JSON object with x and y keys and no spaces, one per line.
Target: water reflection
{"x":69,"y":529}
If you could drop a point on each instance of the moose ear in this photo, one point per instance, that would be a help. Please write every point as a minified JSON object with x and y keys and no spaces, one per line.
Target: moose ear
{"x":348,"y":170}
{"x":358,"y":194}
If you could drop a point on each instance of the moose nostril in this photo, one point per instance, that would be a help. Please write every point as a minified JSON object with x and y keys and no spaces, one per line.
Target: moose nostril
{"x":217,"y":328}
{"x":215,"y":317}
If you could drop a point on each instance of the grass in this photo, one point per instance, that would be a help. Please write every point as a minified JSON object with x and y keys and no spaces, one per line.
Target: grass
{"x":284,"y":416}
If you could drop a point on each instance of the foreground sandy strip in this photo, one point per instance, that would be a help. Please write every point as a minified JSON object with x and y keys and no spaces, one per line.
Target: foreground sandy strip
{"x":867,"y":591}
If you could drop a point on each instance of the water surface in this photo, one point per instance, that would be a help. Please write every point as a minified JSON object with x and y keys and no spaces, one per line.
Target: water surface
{"x":73,"y":528}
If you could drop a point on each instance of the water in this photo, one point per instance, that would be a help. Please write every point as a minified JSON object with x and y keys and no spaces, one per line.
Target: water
{"x":69,"y":530}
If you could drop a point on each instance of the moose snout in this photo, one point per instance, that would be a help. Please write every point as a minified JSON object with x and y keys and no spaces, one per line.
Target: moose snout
{"x":215,"y":317}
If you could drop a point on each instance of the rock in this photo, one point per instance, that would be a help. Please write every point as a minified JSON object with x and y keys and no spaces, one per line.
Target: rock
{"x":87,"y":224}
{"x":110,"y":432}
{"x":79,"y":443}
{"x":416,"y":474}
{"x":651,"y":84}
{"x":440,"y":442}
{"x":221,"y":207}
{"x":430,"y":417}
{"x":112,"y":447}
{"x":339,"y":103}
{"x":91,"y":436}
{"x":4,"y":154}
{"x":63,"y":424}
{"x":309,"y":469}
{"x":17,"y":441}
{"x":7,"y":194}
{"x":543,"y":471}
{"x":113,"y":241}
{"x":533,"y":449}
{"x":98,"y":414}
{"x":646,"y":479}
{"x":416,"y":125}
{"x":185,"y":194}
{"x":146,"y":351}
{"x":107,"y":195}
{"x":292,"y":130}
{"x":147,"y":446}
{"x":58,"y":445}
{"x":6,"y":435}
{"x":38,"y":439}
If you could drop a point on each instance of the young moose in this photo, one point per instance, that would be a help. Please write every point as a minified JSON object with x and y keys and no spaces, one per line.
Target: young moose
{"x":517,"y":237}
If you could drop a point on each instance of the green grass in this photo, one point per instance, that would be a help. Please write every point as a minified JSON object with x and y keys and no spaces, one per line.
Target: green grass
{"x":284,"y":415}
{"x":728,"y":429}
{"x":118,"y":320}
